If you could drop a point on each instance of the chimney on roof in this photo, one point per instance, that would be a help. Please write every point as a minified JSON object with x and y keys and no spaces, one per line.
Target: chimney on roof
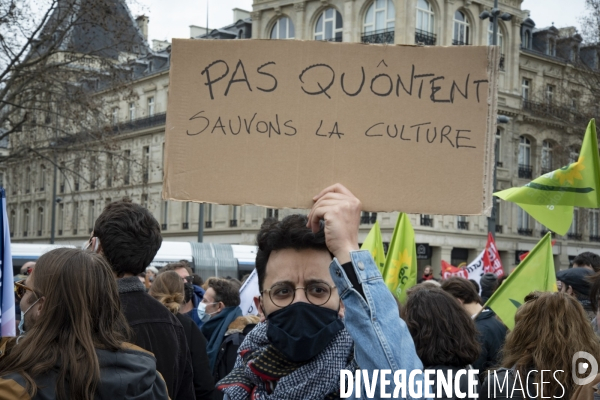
{"x":238,"y":14}
{"x":142,"y":23}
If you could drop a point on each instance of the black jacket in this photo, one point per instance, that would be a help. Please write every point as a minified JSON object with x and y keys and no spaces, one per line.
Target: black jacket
{"x":157,"y":330}
{"x":464,"y":383}
{"x":491,"y":337}
{"x":204,"y":385}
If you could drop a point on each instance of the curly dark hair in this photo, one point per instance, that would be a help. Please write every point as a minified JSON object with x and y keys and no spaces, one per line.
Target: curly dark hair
{"x":443,"y":332}
{"x":588,"y":258}
{"x":461,"y":289}
{"x":289,"y":233}
{"x":129,"y":235}
{"x":225,"y":291}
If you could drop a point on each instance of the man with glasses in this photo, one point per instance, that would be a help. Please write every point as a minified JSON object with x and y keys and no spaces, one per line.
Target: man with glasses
{"x":193,"y":294}
{"x":325,"y":306}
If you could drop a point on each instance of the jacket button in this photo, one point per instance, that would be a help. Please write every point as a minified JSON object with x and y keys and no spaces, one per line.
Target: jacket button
{"x":361,"y":265}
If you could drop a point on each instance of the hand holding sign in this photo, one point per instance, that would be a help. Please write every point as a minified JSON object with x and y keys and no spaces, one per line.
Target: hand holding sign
{"x":341,"y":211}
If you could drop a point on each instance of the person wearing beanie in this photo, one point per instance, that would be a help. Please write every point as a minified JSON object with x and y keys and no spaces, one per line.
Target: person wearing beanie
{"x":575,"y":281}
{"x":489,"y":284}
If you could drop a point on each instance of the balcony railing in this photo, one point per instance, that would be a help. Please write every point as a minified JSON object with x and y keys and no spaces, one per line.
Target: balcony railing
{"x":208,"y":224}
{"x":594,"y":238}
{"x":574,"y":236}
{"x":427,"y":38}
{"x":141,"y":123}
{"x":463,"y":225}
{"x":368,"y":218}
{"x":233,"y":223}
{"x":543,"y":232}
{"x":459,"y":43}
{"x":426,"y":220}
{"x":525,"y":171}
{"x":24,"y":233}
{"x":499,"y":229}
{"x":163,"y":227}
{"x":501,"y":65}
{"x":525,"y":232}
{"x":381,"y":36}
{"x":185,"y":225}
{"x":547,"y":109}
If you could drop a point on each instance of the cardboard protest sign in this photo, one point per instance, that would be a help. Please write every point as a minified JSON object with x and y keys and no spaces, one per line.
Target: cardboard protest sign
{"x":272,"y":123}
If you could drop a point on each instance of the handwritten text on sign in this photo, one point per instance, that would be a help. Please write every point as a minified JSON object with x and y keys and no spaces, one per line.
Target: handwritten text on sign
{"x":270,"y":122}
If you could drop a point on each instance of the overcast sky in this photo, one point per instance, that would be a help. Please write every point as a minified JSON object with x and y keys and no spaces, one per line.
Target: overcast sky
{"x":172,"y":18}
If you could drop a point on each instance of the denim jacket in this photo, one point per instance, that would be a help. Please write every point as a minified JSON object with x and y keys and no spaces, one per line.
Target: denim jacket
{"x":381,"y":337}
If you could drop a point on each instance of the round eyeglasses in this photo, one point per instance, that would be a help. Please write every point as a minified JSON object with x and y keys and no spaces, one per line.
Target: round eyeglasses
{"x":283,"y":294}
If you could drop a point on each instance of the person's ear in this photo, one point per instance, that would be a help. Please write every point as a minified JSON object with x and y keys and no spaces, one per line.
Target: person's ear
{"x":40,"y":305}
{"x":342,"y":310}
{"x":258,"y":304}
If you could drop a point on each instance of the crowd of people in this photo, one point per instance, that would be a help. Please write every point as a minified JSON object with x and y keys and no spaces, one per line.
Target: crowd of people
{"x":101,"y":323}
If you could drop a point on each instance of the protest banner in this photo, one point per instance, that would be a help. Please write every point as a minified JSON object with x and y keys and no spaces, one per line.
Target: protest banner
{"x":488,"y":261}
{"x":248,"y":292}
{"x":272,"y":123}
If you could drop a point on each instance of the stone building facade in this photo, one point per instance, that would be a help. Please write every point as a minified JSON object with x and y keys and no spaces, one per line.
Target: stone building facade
{"x":540,"y":90}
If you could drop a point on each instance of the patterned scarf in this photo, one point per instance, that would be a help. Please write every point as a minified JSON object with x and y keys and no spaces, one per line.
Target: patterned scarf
{"x":261,"y":372}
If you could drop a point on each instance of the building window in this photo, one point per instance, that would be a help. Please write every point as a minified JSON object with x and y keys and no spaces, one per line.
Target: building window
{"x":594,"y":221}
{"x":186,"y":216}
{"x":109,"y":170}
{"x":380,"y":16}
{"x":525,"y":170}
{"x":573,"y":155}
{"x":574,"y":102}
{"x":150,"y":106}
{"x":12,"y":222}
{"x":165,"y":215}
{"x":27,"y":180}
{"x":551,"y":51}
{"x":91,"y":215}
{"x":25,"y":222}
{"x":462,"y":223}
{"x":550,"y":93}
{"x":283,"y":29}
{"x":523,"y":222}
{"x":75,"y":220}
{"x":491,"y":37}
{"x":127,"y":162}
{"x":40,"y":221}
{"x":131,"y":111}
{"x":272,"y":213}
{"x":546,"y":157}
{"x":42,"y":178}
{"x":574,"y":230}
{"x":574,"y":53}
{"x":60,"y":221}
{"x":63,"y":177}
{"x":145,"y":163}
{"x":525,"y":87}
{"x":461,"y":29}
{"x":425,"y":28}
{"x":115,"y":115}
{"x":234,"y":216}
{"x":77,"y":169}
{"x":329,"y":26}
{"x":93,"y":175}
{"x":144,"y":200}
{"x":208,"y":212}
{"x":527,"y":40}
{"x":498,"y":148}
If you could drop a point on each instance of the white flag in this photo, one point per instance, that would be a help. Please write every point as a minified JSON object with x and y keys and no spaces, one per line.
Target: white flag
{"x":248,"y":291}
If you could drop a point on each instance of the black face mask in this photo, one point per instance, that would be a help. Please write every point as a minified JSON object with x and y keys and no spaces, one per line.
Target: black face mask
{"x":189,"y":291}
{"x":302,"y":330}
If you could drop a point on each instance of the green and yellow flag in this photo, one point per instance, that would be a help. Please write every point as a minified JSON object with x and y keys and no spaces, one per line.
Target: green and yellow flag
{"x":374,"y":244}
{"x":551,"y":197}
{"x":400,"y":270}
{"x":534,"y":273}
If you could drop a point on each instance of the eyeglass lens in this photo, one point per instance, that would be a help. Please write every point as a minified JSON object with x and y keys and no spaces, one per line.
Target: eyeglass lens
{"x":283,"y":294}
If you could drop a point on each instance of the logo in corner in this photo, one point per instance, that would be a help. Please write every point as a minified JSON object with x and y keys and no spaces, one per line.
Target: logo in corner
{"x":582,"y":367}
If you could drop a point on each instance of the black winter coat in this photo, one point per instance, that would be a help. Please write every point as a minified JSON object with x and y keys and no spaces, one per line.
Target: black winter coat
{"x":491,"y":337}
{"x":204,"y":385}
{"x":157,"y":330}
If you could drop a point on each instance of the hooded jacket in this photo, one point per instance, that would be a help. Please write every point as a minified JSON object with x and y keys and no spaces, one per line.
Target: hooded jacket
{"x":128,"y":374}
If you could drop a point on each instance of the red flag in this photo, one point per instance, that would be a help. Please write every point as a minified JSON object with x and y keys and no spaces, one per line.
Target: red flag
{"x":449,"y":270}
{"x":491,"y":258}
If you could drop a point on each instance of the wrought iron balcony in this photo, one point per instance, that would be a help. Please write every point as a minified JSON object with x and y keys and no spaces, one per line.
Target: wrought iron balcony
{"x":574,"y":236}
{"x":141,"y":123}
{"x":525,"y":171}
{"x":547,"y":109}
{"x":546,"y":170}
{"x":380,"y":36}
{"x":185,"y":225}
{"x":427,"y":38}
{"x":543,"y":233}
{"x":208,"y":224}
{"x":463,"y":225}
{"x":459,"y":43}
{"x":426,"y":220}
{"x":594,"y":238}
{"x":233,"y":223}
{"x":525,"y":232}
{"x":499,"y":229}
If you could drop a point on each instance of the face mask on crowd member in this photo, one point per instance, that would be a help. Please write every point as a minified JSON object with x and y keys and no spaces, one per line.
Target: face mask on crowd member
{"x":208,"y":307}
{"x":29,"y":299}
{"x":299,"y":300}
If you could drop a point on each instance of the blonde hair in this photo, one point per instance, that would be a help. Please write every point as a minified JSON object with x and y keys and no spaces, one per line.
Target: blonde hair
{"x":168,"y":289}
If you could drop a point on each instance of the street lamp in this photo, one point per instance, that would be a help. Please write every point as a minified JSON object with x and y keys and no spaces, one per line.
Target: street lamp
{"x":493,"y":16}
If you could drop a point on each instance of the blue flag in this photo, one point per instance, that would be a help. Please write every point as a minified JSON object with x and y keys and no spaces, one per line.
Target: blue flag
{"x":7,"y":294}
